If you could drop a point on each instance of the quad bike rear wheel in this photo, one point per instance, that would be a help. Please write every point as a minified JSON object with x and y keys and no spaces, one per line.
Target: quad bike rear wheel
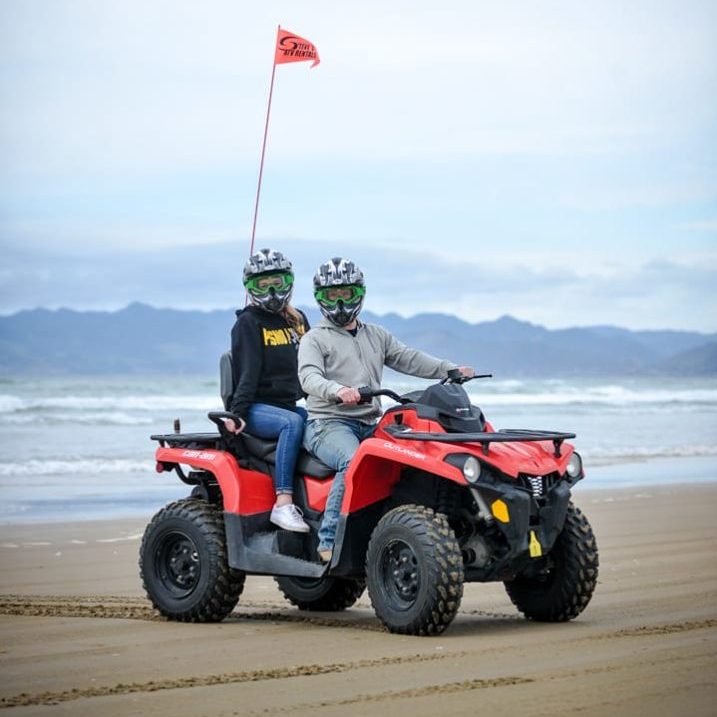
{"x":322,"y":594}
{"x":562,"y":589}
{"x":414,"y":571}
{"x":183,"y":563}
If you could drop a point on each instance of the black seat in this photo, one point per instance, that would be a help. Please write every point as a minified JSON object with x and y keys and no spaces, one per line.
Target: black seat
{"x":262,"y":448}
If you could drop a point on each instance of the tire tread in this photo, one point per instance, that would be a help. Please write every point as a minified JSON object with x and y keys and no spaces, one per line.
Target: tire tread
{"x":571,"y":591}
{"x":225,"y":584}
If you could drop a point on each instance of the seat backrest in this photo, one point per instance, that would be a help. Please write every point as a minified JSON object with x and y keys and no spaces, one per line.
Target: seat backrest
{"x":226,"y":379}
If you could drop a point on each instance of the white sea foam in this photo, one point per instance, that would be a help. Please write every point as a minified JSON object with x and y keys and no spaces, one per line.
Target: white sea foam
{"x":9,"y":403}
{"x":102,"y":418}
{"x":36,"y":467}
{"x":499,"y":393}
{"x":609,"y":395}
{"x":600,"y":454}
{"x":150,"y":403}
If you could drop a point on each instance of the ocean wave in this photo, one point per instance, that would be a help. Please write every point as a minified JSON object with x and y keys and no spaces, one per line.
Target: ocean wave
{"x":620,"y":454}
{"x":106,"y":418}
{"x":507,"y":392}
{"x":15,"y":404}
{"x":611,"y":395}
{"x":35,"y":467}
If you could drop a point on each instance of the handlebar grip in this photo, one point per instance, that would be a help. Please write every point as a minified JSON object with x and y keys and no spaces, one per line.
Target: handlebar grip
{"x":365,"y":392}
{"x":217,"y":416}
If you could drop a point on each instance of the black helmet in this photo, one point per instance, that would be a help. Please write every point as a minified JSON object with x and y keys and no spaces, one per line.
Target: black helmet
{"x":339,"y":290}
{"x":269,"y":279}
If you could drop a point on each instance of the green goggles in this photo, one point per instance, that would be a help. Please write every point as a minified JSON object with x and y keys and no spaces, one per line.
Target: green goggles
{"x":331,"y":295}
{"x":264,"y":283}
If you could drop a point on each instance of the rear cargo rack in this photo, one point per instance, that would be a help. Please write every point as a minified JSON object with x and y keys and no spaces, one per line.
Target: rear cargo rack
{"x":173,"y":439}
{"x":507,"y":435}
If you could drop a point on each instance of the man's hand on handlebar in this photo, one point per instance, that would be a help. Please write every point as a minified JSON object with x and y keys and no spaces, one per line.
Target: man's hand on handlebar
{"x":232,"y":426}
{"x":348,"y":395}
{"x":461,"y":374}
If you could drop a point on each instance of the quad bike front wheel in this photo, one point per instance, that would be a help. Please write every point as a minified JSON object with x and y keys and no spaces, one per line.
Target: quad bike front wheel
{"x":321,"y":594}
{"x":414,"y":571}
{"x":563,"y":586}
{"x":183,"y":563}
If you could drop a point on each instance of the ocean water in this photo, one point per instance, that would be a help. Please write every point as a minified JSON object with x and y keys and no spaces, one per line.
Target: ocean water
{"x":78,"y":448}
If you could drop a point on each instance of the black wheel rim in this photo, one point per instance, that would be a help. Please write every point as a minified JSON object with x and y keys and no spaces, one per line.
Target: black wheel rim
{"x":178,"y":566}
{"x":400,"y":575}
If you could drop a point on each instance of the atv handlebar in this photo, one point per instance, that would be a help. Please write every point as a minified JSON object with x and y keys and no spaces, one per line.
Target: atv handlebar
{"x":455,"y":376}
{"x":367,"y":394}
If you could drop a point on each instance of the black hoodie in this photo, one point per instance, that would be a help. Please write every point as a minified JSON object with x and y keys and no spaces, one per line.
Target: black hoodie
{"x":264,"y":360}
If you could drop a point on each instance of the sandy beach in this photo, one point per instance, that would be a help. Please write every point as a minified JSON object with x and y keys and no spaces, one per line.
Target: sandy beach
{"x":77,"y":636}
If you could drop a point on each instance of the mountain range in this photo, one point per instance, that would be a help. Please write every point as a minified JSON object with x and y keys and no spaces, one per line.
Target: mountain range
{"x":140,"y":339}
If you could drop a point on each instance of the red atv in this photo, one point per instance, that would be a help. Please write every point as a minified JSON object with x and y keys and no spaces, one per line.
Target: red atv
{"x":434,"y":498}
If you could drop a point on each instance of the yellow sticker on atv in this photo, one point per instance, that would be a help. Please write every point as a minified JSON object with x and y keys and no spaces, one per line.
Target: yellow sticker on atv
{"x":536,"y":549}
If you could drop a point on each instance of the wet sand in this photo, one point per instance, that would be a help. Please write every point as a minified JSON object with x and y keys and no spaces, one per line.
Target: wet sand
{"x":77,"y":636}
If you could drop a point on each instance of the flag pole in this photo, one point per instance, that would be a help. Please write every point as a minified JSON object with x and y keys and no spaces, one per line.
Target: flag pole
{"x":263,"y":148}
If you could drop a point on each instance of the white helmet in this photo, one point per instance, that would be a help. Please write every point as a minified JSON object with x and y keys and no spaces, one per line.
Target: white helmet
{"x":339,"y":289}
{"x":269,"y":279}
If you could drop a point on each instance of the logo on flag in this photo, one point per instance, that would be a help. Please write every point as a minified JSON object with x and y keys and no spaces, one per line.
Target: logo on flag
{"x":292,"y":48}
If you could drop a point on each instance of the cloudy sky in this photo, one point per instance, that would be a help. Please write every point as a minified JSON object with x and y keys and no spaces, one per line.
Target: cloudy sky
{"x":552,"y":160}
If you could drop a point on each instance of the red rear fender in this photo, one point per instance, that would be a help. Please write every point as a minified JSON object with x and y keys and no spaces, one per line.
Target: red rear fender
{"x":243,"y":491}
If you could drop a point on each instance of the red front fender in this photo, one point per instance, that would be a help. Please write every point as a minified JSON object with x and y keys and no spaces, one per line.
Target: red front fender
{"x":376,"y":467}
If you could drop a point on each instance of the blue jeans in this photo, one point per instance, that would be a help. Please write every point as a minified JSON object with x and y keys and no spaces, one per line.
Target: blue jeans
{"x":265,"y":421}
{"x":334,"y":442}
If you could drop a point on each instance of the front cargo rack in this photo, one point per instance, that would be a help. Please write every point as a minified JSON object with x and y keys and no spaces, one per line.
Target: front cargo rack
{"x":485,"y":438}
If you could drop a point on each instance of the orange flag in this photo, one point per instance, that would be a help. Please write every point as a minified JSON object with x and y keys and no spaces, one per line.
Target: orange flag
{"x":292,"y":48}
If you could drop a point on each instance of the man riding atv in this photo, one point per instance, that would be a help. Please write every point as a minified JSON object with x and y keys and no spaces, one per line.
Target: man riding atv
{"x":337,"y":357}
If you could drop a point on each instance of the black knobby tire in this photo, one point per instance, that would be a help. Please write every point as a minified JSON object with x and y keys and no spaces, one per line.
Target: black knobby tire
{"x":322,"y":594}
{"x":564,"y":589}
{"x":183,"y":563}
{"x":414,"y":571}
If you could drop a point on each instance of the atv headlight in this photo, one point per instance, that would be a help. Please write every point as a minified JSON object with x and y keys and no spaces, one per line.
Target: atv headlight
{"x":471,"y":469}
{"x":575,"y":466}
{"x":469,"y":465}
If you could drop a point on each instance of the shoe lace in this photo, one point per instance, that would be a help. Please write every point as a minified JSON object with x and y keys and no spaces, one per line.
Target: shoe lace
{"x":296,"y":512}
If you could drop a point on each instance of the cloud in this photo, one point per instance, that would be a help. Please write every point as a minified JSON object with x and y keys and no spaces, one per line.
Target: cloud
{"x":653,"y":295}
{"x":534,"y":159}
{"x":99,"y":85}
{"x":707,"y":225}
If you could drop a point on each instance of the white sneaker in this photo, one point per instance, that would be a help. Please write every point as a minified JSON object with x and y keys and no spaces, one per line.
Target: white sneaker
{"x":289,"y":517}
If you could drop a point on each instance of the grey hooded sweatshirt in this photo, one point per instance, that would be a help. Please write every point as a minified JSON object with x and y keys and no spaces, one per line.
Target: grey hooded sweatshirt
{"x":331,"y":358}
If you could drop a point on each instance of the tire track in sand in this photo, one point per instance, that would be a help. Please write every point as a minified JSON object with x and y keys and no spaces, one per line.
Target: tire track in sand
{"x":139,"y":608}
{"x":443,"y":688}
{"x":280,"y":673}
